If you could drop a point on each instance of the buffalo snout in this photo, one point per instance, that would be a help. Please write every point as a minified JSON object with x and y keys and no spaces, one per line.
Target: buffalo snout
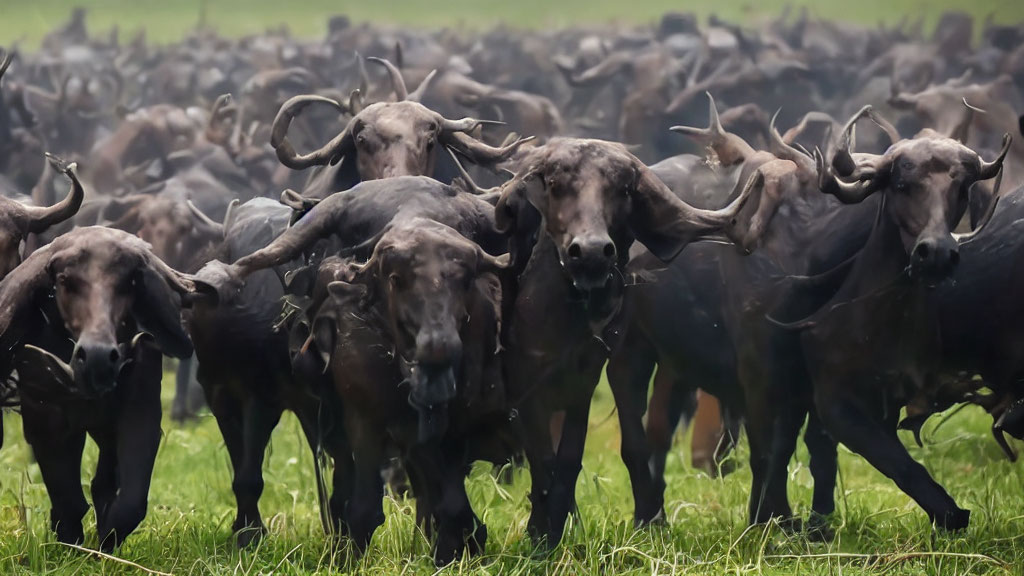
{"x":439,"y":346}
{"x":96,"y":365}
{"x":590,"y":259}
{"x":431,"y":389}
{"x":935,"y":256}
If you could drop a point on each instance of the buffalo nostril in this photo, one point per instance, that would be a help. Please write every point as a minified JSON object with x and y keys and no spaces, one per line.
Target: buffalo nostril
{"x":609,"y":250}
{"x":575,"y":251}
{"x":922,"y":251}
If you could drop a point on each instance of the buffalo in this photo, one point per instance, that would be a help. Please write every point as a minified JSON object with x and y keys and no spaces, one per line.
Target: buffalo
{"x":85,"y":320}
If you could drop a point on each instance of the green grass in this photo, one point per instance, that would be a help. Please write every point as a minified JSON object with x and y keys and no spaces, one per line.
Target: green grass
{"x":880,"y":530}
{"x":167,"y":20}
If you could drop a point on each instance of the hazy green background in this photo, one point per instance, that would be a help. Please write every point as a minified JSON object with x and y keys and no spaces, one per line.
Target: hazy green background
{"x":167,"y":19}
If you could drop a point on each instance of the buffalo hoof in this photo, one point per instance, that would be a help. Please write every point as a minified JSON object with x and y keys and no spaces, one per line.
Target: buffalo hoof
{"x":67,"y":534}
{"x":791,"y":525}
{"x":249,"y":536}
{"x":648,"y":519}
{"x":819,"y":528}
{"x":477,"y":540}
{"x":448,"y":548}
{"x":954,"y":520}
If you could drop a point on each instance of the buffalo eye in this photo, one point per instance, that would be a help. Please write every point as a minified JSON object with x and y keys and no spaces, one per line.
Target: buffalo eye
{"x":67,"y":282}
{"x":396,"y":281}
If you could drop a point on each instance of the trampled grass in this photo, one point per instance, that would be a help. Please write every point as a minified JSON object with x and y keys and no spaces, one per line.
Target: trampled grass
{"x":880,"y":530}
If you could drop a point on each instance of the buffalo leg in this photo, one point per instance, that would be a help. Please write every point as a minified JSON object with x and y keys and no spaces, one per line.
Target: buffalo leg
{"x":425,"y":512}
{"x":764,"y":405}
{"x":824,"y":466}
{"x":539,"y":453}
{"x":228,"y":413}
{"x":138,"y":438}
{"x":104,"y":482}
{"x":365,"y":511}
{"x":258,"y":422}
{"x":883,"y":450}
{"x":60,"y":462}
{"x":568,"y":463}
{"x":444,"y":481}
{"x":729,"y":440}
{"x":787,"y":432}
{"x":680,"y":403}
{"x":187,"y":395}
{"x":624,"y":377}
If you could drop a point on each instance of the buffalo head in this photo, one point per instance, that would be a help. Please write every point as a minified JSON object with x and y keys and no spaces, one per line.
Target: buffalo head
{"x":110,"y":293}
{"x":927,"y":181}
{"x":386,"y":139}
{"x":420,"y":281}
{"x":595,"y":198}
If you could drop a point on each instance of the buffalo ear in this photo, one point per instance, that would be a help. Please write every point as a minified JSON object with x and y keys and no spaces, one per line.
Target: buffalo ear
{"x":18,"y":292}
{"x":348,"y":293}
{"x":157,"y":311}
{"x":506,"y":211}
{"x":517,"y":218}
{"x":323,"y":334}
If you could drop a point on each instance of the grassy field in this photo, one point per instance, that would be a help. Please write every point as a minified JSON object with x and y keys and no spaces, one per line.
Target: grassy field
{"x":167,"y":20}
{"x":880,"y":530}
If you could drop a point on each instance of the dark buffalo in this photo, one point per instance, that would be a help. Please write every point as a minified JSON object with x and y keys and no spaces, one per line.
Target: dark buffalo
{"x":17,"y":222}
{"x":412,"y":338}
{"x":594,"y":199}
{"x":875,"y":344}
{"x":382,"y":140}
{"x":260,"y":240}
{"x":86,"y":319}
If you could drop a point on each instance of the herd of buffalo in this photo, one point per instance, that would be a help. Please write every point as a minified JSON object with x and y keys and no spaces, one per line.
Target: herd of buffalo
{"x":430,"y":245}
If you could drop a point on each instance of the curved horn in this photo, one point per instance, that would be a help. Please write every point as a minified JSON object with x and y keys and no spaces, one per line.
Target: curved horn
{"x":466,"y":177}
{"x":229,"y":216}
{"x":809,"y":118}
{"x":990,"y":169}
{"x":842,"y":159}
{"x":466,"y":124}
{"x":40,"y":218}
{"x":420,"y":90}
{"x":783,"y":150}
{"x":355,"y":102}
{"x":286,"y":153}
{"x":665,"y":233}
{"x":845,"y":192}
{"x":730,"y":148}
{"x":478,"y":152}
{"x":996,"y":165}
{"x":985,"y":218}
{"x":214,"y":228}
{"x":397,"y":82}
{"x":885,"y":125}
